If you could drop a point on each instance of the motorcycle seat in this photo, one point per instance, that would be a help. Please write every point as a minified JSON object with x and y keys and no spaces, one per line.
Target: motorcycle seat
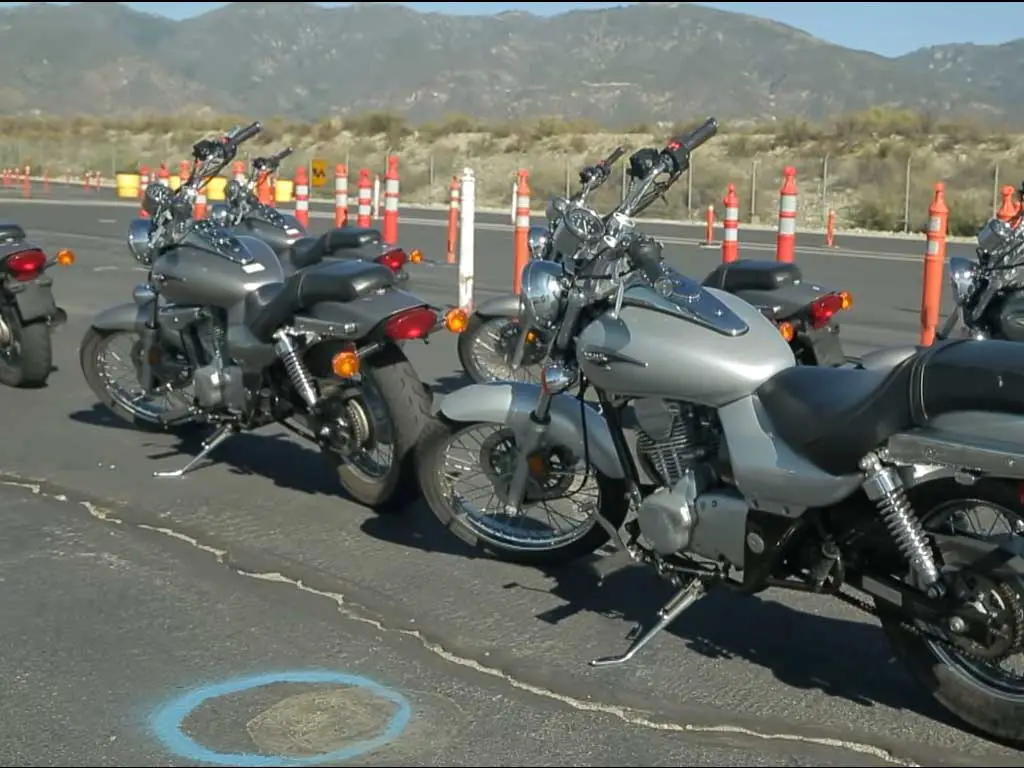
{"x":273,"y":305}
{"x":752,"y":275}
{"x":11,"y":232}
{"x":307,"y":251}
{"x":834,"y":416}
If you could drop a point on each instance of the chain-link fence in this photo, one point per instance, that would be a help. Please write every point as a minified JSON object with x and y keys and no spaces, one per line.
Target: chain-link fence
{"x":883,"y":190}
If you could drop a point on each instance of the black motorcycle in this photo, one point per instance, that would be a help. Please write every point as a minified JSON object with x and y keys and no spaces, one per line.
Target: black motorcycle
{"x":221,"y":335}
{"x":284,"y":233}
{"x":28,"y":312}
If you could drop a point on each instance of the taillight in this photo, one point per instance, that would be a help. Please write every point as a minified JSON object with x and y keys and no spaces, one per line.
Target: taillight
{"x":821,"y":310}
{"x":394,"y":259}
{"x":26,"y":265}
{"x":412,"y":324}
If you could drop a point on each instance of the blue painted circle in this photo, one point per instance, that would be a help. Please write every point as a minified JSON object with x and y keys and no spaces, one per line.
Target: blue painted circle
{"x":168,"y":720}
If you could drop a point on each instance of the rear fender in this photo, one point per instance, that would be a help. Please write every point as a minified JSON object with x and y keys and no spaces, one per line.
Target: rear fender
{"x":513,"y":404}
{"x":357,"y":319}
{"x":785,"y":301}
{"x":499,"y":306}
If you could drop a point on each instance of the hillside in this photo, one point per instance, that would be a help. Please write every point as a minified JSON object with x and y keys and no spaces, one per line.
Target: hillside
{"x":858,"y":165}
{"x":656,"y":61}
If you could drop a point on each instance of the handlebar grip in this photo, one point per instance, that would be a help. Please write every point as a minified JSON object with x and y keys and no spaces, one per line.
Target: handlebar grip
{"x":283,"y":154}
{"x":681,"y":147}
{"x":646,"y":255}
{"x":613,"y":157}
{"x":244,"y":134}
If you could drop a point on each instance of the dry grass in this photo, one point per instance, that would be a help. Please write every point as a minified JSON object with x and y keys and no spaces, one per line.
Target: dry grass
{"x":858,"y":165}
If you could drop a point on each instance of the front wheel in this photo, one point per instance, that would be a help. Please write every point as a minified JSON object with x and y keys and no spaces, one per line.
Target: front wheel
{"x":26,"y":351}
{"x":464,"y":471}
{"x":385,"y":418}
{"x":486,"y":346}
{"x":979,"y":679}
{"x":111,"y":361}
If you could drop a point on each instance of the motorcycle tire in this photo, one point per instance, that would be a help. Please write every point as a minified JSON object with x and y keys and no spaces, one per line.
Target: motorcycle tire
{"x":429,"y":462}
{"x":408,"y":403}
{"x":88,"y":359}
{"x":998,"y":716}
{"x":467,"y":340}
{"x":35,"y":359}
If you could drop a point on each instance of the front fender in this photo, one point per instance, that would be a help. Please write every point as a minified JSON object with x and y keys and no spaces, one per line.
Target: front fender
{"x":512,"y":404}
{"x":123,"y":317}
{"x":499,"y":306}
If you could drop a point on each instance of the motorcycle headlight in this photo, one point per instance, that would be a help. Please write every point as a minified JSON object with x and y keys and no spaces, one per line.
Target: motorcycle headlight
{"x":962,"y":276}
{"x":138,"y":239}
{"x":994,"y":236}
{"x":537,"y":241}
{"x":542,"y":293}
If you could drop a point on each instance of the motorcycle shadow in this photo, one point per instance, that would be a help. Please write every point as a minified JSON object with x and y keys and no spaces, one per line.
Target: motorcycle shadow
{"x":277,"y":457}
{"x":839,"y":657}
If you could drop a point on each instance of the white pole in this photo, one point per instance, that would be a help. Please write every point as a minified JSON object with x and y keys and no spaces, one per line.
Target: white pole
{"x":467,"y":216}
{"x":376,"y":197}
{"x":515,"y":199}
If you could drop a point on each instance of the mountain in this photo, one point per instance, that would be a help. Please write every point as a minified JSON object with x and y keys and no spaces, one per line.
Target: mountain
{"x":653,"y":61}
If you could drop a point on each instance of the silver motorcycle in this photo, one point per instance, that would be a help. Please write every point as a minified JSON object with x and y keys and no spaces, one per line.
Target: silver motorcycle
{"x":895,"y":489}
{"x":988,"y":292}
{"x":496,"y":347}
{"x":220,"y":335}
{"x":243,"y":213}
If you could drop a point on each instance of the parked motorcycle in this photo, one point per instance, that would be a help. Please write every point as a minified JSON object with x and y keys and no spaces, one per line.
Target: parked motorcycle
{"x":220,"y":335}
{"x":901,"y":483}
{"x":284,"y":233}
{"x":28,"y":312}
{"x":494,"y":348}
{"x":988,"y":292}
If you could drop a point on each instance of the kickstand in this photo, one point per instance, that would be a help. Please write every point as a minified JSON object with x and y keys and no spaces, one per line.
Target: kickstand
{"x":669,"y":613}
{"x":209,"y":444}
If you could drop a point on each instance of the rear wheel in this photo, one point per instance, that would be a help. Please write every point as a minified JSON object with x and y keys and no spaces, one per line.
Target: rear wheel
{"x":26,"y":351}
{"x":978,"y":679}
{"x":385,"y":417}
{"x":464,"y":470}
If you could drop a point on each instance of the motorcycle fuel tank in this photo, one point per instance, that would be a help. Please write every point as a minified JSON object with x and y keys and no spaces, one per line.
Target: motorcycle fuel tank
{"x":210,"y":267}
{"x":277,"y":237}
{"x":706,"y":347}
{"x":1008,"y":317}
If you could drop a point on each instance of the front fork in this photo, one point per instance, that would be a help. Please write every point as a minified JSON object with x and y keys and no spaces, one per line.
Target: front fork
{"x":149,"y":336}
{"x":531,"y":438}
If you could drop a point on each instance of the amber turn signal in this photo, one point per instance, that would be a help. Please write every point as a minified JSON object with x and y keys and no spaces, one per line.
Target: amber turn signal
{"x":847,"y":299}
{"x":345,"y":364}
{"x":415,"y":256}
{"x":456,"y":320}
{"x":65,"y":257}
{"x":787,"y":330}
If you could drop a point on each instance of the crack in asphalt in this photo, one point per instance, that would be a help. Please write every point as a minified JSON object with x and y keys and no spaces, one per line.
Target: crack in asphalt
{"x":353,"y":612}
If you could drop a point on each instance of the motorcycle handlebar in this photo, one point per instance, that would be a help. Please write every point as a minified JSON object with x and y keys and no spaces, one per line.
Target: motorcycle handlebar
{"x":241,"y":135}
{"x":681,"y":147}
{"x":613,"y":158}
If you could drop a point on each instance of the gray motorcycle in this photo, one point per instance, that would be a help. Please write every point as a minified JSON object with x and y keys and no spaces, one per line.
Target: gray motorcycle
{"x":496,"y":347}
{"x":284,"y":233}
{"x":28,"y":312}
{"x":894,"y":489}
{"x":220,"y":335}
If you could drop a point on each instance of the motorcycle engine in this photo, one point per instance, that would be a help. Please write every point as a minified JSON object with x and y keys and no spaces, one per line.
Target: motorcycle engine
{"x":675,"y":443}
{"x":671,"y":438}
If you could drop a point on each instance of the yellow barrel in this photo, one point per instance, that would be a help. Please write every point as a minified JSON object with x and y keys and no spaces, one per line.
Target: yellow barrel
{"x":283,"y":190}
{"x":127,"y":185}
{"x":175,"y":182}
{"x":215,"y":189}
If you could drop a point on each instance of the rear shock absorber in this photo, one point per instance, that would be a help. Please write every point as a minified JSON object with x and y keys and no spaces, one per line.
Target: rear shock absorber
{"x":301,"y":379}
{"x":884,"y":487}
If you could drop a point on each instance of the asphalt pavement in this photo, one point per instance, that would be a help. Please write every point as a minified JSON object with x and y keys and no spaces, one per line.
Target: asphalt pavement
{"x":106,"y":622}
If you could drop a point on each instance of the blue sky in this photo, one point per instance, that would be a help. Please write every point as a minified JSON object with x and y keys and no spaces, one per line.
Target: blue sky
{"x":890,"y":29}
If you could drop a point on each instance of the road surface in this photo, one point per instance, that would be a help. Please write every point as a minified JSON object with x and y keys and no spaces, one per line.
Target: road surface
{"x":491,"y":656}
